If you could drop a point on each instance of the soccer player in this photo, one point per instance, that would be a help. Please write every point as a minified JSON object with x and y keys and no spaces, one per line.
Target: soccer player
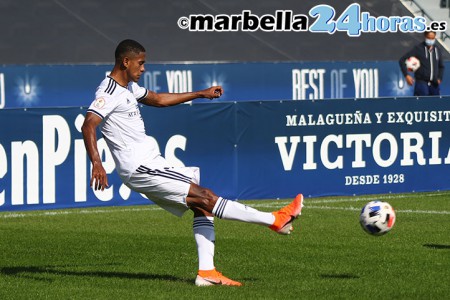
{"x":142,"y":168}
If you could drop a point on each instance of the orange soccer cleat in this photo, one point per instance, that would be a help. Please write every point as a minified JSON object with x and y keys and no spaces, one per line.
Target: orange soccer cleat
{"x":286,"y":216}
{"x":213,"y":277}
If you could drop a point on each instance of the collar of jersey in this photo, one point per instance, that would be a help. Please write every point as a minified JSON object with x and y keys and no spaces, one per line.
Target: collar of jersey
{"x":117,"y":82}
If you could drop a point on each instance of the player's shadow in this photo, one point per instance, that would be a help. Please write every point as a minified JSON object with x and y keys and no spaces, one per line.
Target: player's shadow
{"x":40,"y":273}
{"x":339,"y":276}
{"x":437,"y":246}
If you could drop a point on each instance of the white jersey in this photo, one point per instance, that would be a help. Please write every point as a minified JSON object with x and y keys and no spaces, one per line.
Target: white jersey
{"x":122,"y":126}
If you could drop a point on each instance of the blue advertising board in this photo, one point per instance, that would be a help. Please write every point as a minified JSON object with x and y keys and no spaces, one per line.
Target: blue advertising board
{"x":74,"y":85}
{"x":245,"y":150}
{"x":343,"y":147}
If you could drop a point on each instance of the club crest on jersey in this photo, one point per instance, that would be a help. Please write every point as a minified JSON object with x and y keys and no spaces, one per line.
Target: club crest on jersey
{"x":99,"y":103}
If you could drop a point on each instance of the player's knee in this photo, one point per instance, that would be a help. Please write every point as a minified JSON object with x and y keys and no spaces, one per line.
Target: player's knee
{"x":207,"y":194}
{"x":204,"y":198}
{"x":207,"y":198}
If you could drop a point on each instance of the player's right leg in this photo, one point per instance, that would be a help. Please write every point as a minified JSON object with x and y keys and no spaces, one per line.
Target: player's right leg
{"x":279,"y":221}
{"x":286,"y":216}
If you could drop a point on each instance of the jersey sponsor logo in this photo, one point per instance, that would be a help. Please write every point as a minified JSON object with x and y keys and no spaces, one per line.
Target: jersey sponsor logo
{"x":99,"y":103}
{"x":134,"y":114}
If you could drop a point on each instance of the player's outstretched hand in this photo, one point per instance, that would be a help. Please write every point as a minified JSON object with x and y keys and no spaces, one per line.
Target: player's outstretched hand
{"x":213,"y":92}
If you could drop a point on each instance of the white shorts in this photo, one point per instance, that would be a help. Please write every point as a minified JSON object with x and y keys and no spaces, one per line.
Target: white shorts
{"x":165,"y":185}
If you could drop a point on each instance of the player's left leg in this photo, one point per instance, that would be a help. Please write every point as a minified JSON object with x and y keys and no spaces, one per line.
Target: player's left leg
{"x":205,"y":238}
{"x":204,"y":235}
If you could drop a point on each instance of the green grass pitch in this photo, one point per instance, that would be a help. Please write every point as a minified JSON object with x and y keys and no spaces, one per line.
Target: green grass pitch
{"x":143,"y":252}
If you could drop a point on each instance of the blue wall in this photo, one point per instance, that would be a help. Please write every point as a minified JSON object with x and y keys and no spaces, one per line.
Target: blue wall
{"x":74,"y":85}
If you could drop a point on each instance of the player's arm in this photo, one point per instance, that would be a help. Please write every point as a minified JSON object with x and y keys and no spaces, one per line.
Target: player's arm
{"x":98,"y":178}
{"x":170,"y":99}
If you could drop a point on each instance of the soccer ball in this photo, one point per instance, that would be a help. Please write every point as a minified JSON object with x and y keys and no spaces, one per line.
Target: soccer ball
{"x":377,"y":217}
{"x":412,"y":64}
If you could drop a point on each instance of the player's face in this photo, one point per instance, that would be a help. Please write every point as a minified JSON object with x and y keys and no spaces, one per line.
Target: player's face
{"x":135,"y":66}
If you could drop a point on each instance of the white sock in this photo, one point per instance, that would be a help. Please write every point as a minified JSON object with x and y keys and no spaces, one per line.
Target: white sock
{"x":232,"y":210}
{"x":205,"y":238}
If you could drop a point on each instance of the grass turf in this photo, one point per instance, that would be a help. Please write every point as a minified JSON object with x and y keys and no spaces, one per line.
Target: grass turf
{"x":143,"y":252}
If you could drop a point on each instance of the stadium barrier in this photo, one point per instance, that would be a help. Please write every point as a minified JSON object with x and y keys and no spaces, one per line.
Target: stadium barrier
{"x":246,"y":150}
{"x":74,"y":85}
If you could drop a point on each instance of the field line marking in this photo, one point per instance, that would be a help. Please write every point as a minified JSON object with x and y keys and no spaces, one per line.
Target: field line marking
{"x":351,"y":208}
{"x":274,"y":204}
{"x":408,"y":211}
{"x":75,"y":212}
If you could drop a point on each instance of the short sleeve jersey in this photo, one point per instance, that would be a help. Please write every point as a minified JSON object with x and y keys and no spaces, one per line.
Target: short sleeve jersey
{"x":122,"y":125}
